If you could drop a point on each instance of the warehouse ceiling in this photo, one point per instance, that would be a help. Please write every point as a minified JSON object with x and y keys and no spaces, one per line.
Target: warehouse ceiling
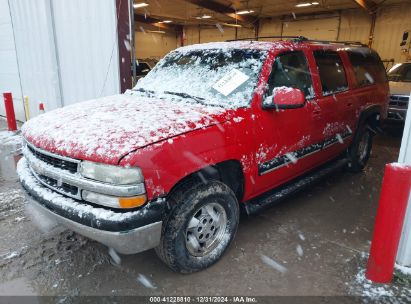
{"x":184,"y":12}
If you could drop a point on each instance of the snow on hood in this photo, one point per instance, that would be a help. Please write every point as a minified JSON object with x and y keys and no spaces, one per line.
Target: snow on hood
{"x":108,"y":128}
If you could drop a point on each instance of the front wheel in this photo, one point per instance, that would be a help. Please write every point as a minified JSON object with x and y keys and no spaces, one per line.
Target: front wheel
{"x":200,"y":227}
{"x":360,"y":150}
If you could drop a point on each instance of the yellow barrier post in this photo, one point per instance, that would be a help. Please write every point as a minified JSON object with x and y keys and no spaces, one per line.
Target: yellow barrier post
{"x":26,"y":107}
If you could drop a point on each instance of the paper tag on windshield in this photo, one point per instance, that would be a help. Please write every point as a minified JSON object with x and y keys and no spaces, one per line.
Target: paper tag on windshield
{"x":231,"y":81}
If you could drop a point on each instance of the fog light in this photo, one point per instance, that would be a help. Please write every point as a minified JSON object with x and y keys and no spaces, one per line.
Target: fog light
{"x":113,"y":201}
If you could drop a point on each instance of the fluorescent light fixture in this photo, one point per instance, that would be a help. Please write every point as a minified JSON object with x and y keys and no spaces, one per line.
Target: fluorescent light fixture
{"x":232,"y":24}
{"x":204,"y":17}
{"x":139,"y":5}
{"x":306,"y":4}
{"x":245,"y":12}
{"x":157,"y":32}
{"x":166,"y":21}
{"x":303,"y":4}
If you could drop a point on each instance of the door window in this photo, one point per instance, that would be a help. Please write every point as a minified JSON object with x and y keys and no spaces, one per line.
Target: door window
{"x":291,"y":70}
{"x":331,"y":71}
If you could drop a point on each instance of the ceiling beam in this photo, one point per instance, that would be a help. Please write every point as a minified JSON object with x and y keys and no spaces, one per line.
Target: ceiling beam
{"x":153,"y":21}
{"x":369,"y":5}
{"x":222,"y":9}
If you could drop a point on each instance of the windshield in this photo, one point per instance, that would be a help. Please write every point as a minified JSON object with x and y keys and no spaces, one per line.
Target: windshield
{"x":215,"y":77}
{"x":400,"y":73}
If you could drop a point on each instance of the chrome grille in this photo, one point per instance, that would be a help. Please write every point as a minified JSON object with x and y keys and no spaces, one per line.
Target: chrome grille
{"x":65,"y":164}
{"x":54,"y":161}
{"x":399,"y":101}
{"x":59,"y":186}
{"x":60,"y":173}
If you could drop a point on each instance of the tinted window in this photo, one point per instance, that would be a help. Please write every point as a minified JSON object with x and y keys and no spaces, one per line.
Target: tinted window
{"x":331,"y":71}
{"x":367,"y":66}
{"x":291,"y":70}
{"x":400,"y":73}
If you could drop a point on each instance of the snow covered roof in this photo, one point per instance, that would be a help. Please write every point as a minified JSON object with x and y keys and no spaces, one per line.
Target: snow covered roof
{"x":256,"y":45}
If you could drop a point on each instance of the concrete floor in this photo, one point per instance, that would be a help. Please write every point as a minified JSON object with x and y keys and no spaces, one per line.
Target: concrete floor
{"x":321,"y":236}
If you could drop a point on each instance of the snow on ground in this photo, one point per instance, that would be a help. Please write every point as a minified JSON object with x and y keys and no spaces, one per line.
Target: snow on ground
{"x":8,"y":138}
{"x":399,"y":291}
{"x":404,"y":270}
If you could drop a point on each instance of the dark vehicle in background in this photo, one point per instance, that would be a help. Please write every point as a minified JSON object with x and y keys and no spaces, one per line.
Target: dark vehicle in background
{"x":399,"y":77}
{"x":143,"y":66}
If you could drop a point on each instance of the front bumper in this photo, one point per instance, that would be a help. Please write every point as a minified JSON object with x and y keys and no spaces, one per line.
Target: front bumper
{"x":127,"y":232}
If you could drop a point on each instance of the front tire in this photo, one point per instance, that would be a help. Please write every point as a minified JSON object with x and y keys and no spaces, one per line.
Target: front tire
{"x":200,"y":228}
{"x":360,"y":150}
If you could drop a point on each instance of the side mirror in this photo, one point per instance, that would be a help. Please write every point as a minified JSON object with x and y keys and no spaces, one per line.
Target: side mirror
{"x":285,"y":98}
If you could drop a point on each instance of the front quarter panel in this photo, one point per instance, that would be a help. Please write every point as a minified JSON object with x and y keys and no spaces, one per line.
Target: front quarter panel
{"x":165,"y":163}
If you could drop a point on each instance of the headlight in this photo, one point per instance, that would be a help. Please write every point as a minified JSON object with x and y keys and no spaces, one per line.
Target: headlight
{"x":111,"y":174}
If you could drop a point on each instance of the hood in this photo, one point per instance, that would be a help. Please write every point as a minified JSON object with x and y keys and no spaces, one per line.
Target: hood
{"x":400,"y":88}
{"x":106,"y":129}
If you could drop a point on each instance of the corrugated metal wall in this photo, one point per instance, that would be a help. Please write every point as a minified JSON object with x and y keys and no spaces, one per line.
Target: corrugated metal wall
{"x":9,"y":72}
{"x":86,"y":37}
{"x":36,"y":53}
{"x":350,"y":25}
{"x":355,"y":26}
{"x":391,"y":23}
{"x":67,"y":51}
{"x":153,"y":45}
{"x":319,"y":29}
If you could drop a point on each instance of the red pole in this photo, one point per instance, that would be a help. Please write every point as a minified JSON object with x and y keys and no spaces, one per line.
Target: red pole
{"x":10,"y":115}
{"x":389,"y":222}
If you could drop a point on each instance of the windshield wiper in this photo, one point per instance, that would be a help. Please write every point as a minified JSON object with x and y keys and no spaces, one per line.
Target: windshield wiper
{"x":185,"y":95}
{"x":143,"y":90}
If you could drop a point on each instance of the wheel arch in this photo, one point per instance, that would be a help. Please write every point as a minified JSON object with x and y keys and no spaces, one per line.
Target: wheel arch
{"x":370,"y":115}
{"x":229,"y":172}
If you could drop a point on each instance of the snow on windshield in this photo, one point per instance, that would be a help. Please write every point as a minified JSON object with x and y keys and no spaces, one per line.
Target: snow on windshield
{"x":222,"y":77}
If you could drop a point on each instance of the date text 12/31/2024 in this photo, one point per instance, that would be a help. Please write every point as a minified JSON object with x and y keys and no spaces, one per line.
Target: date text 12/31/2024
{"x":202,"y":299}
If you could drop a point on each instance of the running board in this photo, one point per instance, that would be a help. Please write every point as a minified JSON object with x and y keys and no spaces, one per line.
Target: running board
{"x":276,"y":195}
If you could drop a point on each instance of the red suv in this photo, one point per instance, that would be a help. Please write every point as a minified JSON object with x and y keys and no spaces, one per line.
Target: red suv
{"x":212,"y":129}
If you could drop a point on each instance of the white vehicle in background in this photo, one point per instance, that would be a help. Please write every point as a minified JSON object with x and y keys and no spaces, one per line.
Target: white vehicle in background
{"x":399,"y":77}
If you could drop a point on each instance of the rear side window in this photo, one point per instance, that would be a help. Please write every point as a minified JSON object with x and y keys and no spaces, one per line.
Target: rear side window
{"x":367,"y":66}
{"x":331,"y":70}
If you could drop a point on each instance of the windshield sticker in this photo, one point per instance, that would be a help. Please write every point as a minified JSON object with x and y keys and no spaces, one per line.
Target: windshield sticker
{"x":231,"y":81}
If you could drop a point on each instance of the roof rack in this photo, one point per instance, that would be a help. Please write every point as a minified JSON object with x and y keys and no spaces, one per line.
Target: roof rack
{"x":350,"y":43}
{"x":302,"y":39}
{"x":294,"y":38}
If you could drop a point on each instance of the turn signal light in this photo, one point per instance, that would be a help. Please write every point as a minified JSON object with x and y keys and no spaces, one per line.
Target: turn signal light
{"x":132,"y":202}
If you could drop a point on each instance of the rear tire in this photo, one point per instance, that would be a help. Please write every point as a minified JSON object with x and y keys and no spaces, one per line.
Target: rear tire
{"x":360,"y":150}
{"x":200,"y":228}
